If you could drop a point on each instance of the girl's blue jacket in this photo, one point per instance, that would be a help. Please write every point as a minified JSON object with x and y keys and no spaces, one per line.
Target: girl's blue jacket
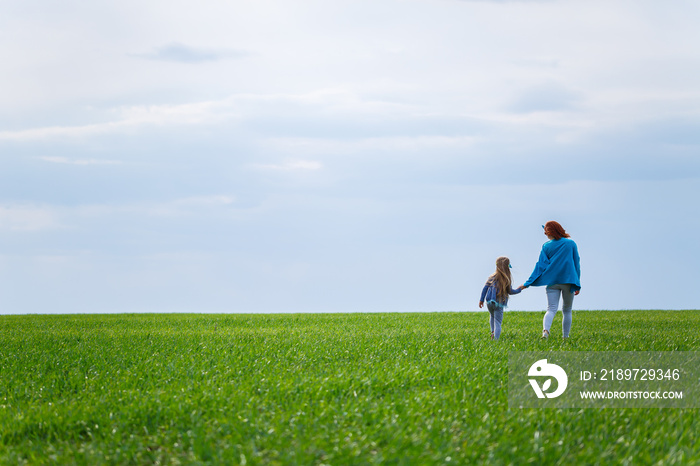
{"x":490,"y":294}
{"x":558,"y":264}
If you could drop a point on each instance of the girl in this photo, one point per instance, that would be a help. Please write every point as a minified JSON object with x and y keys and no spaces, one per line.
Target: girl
{"x":495,"y":292}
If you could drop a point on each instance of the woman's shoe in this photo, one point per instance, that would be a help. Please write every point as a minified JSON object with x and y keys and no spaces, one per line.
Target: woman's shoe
{"x":492,"y":335}
{"x":545,"y":334}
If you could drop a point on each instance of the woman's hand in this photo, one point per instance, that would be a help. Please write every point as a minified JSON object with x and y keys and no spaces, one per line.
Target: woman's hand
{"x":481,"y":304}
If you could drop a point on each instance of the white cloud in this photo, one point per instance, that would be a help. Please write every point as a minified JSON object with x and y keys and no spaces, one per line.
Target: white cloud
{"x":205,"y":201}
{"x":36,"y":217}
{"x":360,"y":147}
{"x":538,"y":61}
{"x":61,"y":131}
{"x":181,"y":53}
{"x":545,"y":97}
{"x":66,"y":160}
{"x":23,"y":218}
{"x":291,"y":165}
{"x":181,"y":207}
{"x":130,"y":118}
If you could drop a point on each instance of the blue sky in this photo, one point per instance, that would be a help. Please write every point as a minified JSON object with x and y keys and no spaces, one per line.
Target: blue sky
{"x":314,"y":156}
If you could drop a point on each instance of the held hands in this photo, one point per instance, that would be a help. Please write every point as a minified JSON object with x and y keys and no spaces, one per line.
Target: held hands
{"x":522,"y":287}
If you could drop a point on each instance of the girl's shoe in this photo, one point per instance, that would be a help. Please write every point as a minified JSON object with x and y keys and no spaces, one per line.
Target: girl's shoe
{"x":545,"y":334}
{"x":492,"y":335}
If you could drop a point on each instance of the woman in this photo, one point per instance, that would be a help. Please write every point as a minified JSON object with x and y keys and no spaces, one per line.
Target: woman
{"x":559,"y":269}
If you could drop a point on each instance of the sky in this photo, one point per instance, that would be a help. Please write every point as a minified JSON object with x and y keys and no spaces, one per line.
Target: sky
{"x":344,"y":156}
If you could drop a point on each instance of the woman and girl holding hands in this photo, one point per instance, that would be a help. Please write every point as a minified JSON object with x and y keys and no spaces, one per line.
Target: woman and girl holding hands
{"x":558,"y":268}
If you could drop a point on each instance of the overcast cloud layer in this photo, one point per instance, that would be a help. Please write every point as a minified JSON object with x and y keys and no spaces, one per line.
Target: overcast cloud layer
{"x":317,"y":156}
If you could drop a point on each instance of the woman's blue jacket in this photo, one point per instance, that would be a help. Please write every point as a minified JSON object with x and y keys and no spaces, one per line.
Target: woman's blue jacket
{"x":559,"y":264}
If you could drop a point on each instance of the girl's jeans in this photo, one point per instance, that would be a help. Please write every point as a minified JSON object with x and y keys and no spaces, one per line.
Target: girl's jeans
{"x":553,"y":293}
{"x":496,"y":319}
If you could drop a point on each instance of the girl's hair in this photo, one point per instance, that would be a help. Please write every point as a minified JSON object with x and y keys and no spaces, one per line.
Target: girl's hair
{"x":555,"y":230}
{"x":502,"y":278}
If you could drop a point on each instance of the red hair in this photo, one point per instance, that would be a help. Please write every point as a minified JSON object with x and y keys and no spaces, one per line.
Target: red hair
{"x":555,"y":230}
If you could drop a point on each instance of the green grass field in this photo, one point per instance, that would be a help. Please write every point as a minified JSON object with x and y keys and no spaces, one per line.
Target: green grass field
{"x":319,"y":389}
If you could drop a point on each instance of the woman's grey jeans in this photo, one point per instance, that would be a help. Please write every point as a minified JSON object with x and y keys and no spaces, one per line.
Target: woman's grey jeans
{"x":553,"y":293}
